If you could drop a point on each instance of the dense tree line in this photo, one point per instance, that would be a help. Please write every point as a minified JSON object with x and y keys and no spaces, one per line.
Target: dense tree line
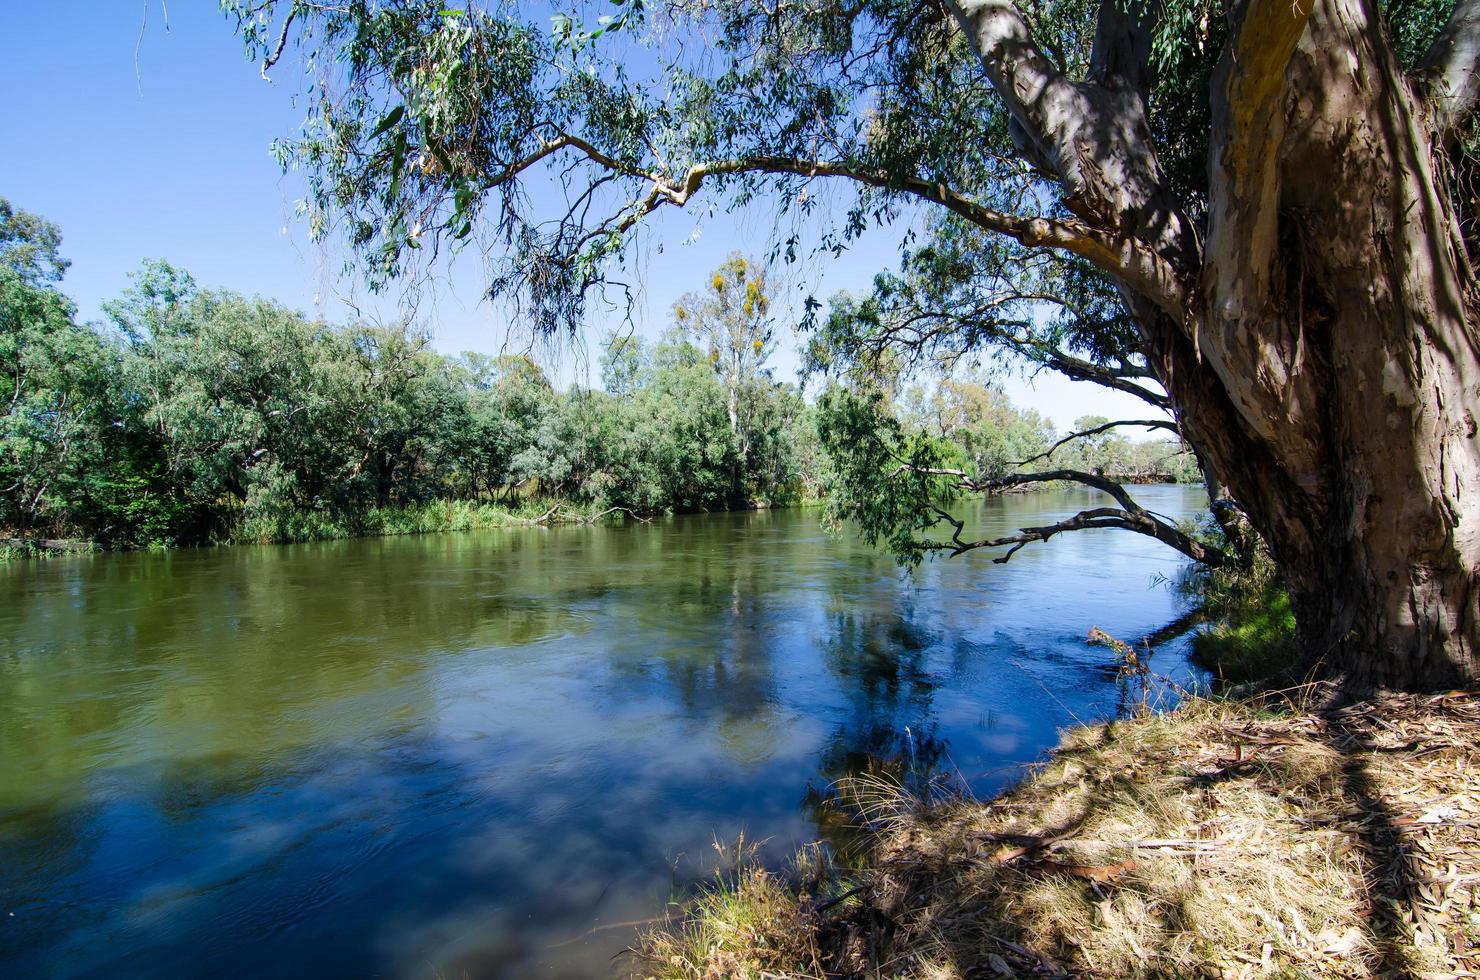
{"x":983,"y":431}
{"x":195,"y":415}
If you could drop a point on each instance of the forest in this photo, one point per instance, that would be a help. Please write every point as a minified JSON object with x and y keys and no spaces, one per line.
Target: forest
{"x":197,"y":415}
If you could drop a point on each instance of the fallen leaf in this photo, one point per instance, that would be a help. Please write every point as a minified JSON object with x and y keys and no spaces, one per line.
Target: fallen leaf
{"x":1092,"y":872}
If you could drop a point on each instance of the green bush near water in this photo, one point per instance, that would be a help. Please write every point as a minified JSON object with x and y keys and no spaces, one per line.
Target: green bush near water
{"x":1250,"y":635}
{"x":433,"y":517}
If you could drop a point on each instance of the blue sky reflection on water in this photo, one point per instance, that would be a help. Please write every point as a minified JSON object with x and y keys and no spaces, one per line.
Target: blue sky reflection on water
{"x":460,"y":753}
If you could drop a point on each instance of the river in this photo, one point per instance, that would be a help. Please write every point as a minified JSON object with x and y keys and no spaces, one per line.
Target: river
{"x":477,"y":755}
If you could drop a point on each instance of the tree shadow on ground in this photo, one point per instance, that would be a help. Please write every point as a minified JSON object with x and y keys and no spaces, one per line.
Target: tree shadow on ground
{"x":1233,"y":839}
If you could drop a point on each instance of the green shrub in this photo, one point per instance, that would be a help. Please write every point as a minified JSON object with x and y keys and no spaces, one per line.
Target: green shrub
{"x":1250,"y":635}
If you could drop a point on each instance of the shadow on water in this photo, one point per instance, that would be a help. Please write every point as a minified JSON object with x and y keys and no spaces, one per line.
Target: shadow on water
{"x":463,"y":753}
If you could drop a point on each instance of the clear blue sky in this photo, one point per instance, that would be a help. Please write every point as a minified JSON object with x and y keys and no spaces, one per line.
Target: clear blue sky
{"x":142,"y":142}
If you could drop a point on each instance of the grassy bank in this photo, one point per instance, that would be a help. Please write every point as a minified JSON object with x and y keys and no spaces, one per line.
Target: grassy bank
{"x":291,"y":525}
{"x":428,"y":518}
{"x":1224,"y":839}
{"x":16,"y":549}
{"x":294,"y":525}
{"x":1250,"y":631}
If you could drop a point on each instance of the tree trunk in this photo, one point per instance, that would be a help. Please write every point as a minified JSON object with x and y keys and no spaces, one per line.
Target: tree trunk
{"x":1321,"y":354}
{"x":1339,"y":318}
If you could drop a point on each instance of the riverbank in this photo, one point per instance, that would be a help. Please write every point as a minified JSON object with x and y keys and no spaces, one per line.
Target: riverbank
{"x":436,"y":517}
{"x":289,"y":526}
{"x":1267,"y":837}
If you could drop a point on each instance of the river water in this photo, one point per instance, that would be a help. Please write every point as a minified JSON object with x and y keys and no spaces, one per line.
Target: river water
{"x":477,"y":755}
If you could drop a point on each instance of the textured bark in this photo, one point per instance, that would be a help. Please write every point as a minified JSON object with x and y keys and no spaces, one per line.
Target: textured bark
{"x":1091,"y":135}
{"x":1451,"y":70}
{"x":1339,"y":315}
{"x":1326,"y":366}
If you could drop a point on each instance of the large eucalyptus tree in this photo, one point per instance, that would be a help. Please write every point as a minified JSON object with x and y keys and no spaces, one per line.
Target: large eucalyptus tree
{"x":1265,"y":207}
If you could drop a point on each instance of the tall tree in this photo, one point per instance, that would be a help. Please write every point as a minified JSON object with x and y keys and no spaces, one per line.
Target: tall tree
{"x":1266,"y":205}
{"x":731,"y":320}
{"x":49,"y":369}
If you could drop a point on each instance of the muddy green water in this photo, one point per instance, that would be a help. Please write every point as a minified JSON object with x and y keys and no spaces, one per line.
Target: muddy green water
{"x":459,"y":755}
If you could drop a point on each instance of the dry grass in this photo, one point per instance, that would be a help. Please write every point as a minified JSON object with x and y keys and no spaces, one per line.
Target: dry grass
{"x":749,"y":923}
{"x":1224,"y":840}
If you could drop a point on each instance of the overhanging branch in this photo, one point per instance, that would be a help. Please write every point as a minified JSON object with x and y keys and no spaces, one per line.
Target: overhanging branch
{"x":1129,"y":516}
{"x":1120,"y":255}
{"x":1082,"y":370}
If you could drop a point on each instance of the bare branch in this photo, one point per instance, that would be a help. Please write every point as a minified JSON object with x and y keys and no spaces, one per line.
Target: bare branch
{"x":271,"y":58}
{"x":1087,"y":520}
{"x":587,"y":519}
{"x":1095,"y":480}
{"x":1145,"y":423}
{"x":1129,"y":516}
{"x":1452,"y":67}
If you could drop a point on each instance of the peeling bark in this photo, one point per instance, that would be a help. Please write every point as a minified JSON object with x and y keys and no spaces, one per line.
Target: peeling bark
{"x":1326,"y":365}
{"x":1451,"y":70}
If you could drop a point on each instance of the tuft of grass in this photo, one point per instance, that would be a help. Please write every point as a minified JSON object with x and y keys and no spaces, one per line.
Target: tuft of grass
{"x":1252,"y":643}
{"x":1223,"y":839}
{"x":746,"y":923}
{"x":37,"y":550}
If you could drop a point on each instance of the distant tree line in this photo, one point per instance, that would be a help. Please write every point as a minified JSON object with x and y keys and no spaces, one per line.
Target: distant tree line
{"x":985,"y":431}
{"x":196,"y":415}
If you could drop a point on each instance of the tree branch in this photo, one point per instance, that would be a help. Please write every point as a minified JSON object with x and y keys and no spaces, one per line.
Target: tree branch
{"x":1452,"y":67}
{"x":1129,"y":516}
{"x":1249,"y":124}
{"x":1147,"y":423}
{"x":1092,"y":135}
{"x":271,"y":57}
{"x":1120,"y":255}
{"x":1122,"y":46}
{"x":1082,"y":370}
{"x":1086,"y":520}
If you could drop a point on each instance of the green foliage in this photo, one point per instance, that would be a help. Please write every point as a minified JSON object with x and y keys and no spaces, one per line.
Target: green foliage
{"x":50,"y":435}
{"x":991,"y":435}
{"x":1119,"y":457}
{"x":1251,"y":633}
{"x":202,"y":415}
{"x":421,"y":518}
{"x":880,"y":470}
{"x":30,"y":246}
{"x":431,"y":121}
{"x":881,"y":451}
{"x":1413,"y":24}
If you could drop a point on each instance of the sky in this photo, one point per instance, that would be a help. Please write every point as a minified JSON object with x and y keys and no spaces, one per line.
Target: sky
{"x":143,"y":132}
